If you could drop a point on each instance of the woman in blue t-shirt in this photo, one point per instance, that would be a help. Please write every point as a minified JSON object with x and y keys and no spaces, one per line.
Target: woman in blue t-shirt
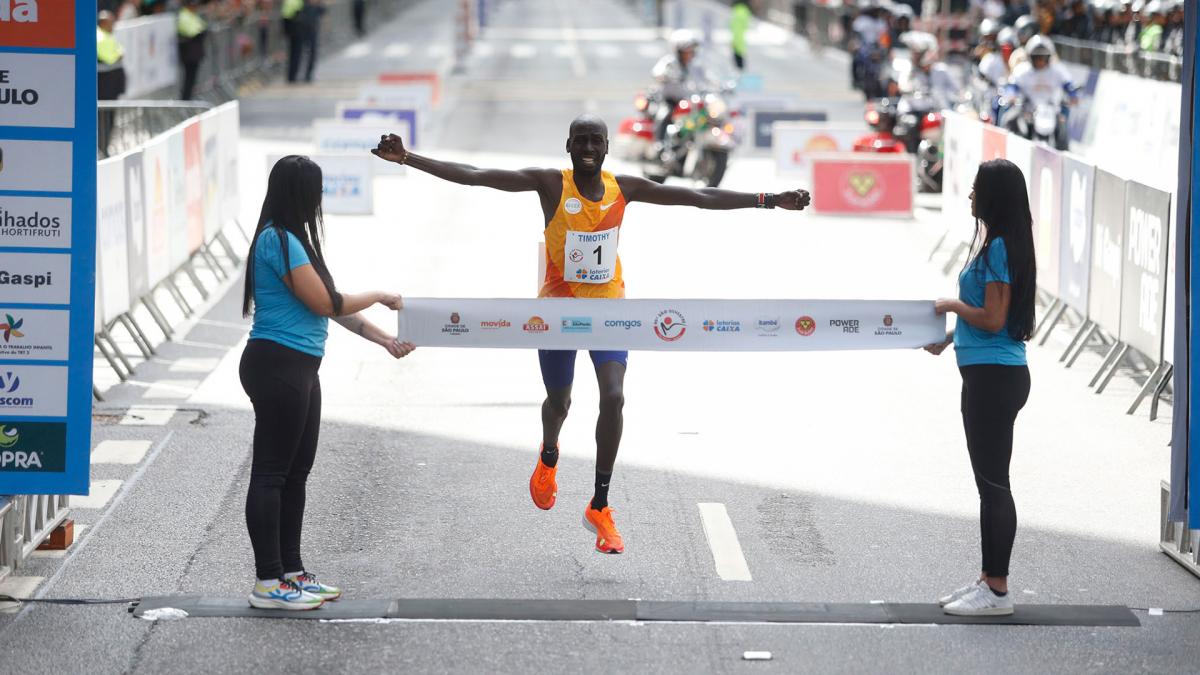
{"x":293,"y":296}
{"x":995,"y":318}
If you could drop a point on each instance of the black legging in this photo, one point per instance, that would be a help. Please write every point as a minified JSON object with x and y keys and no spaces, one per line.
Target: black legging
{"x":992,"y":395}
{"x":286,"y":393}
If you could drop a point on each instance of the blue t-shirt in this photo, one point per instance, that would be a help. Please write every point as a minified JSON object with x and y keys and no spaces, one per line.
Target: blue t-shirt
{"x":279,"y":316}
{"x":975,"y":346}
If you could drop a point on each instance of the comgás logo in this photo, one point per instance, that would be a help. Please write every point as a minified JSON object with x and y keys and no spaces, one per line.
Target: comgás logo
{"x":36,"y":280}
{"x":806,"y":326}
{"x":669,"y":325}
{"x":495,"y":325}
{"x":536,"y":325}
{"x":456,"y":326}
{"x":627,"y":324}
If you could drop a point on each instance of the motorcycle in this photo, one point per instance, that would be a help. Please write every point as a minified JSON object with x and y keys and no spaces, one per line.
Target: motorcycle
{"x":1039,"y":122}
{"x":699,"y":137}
{"x":912,"y":125}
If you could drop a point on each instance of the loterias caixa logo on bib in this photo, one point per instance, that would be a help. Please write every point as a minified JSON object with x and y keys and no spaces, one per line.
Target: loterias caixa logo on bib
{"x":33,"y":446}
{"x":669,"y":325}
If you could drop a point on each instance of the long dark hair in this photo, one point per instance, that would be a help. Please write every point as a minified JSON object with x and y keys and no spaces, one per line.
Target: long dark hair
{"x":1002,"y":204}
{"x":293,"y":204}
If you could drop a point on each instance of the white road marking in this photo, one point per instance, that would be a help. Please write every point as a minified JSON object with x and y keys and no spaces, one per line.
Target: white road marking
{"x":120,"y":452}
{"x":149,"y":416}
{"x":437,"y":51}
{"x":483,"y":50}
{"x":650,"y":51}
{"x":722,"y":539}
{"x":607,"y":51}
{"x":565,"y":51}
{"x":397,"y":50}
{"x":523,"y":51}
{"x":17,"y":587}
{"x":193,"y":365}
{"x":99,"y":494}
{"x":171,"y":389}
{"x":357,"y":50}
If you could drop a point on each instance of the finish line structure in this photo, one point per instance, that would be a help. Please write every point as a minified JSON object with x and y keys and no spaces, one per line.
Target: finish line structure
{"x":670,"y":325}
{"x":489,"y":609}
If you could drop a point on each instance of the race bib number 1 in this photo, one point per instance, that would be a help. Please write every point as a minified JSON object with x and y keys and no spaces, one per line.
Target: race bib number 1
{"x":590,"y":257}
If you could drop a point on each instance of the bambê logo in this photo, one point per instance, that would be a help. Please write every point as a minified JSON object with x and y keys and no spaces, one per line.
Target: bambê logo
{"x":38,"y":23}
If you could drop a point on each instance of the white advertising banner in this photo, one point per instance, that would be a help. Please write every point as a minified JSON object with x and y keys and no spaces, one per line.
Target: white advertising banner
{"x":112,"y":244}
{"x":177,"y":218}
{"x":417,"y":95}
{"x":670,"y":325}
{"x":211,"y":166}
{"x":158,"y":210}
{"x":37,"y":90}
{"x":150,"y":54}
{"x":347,"y":182}
{"x":229,"y":124}
{"x":1133,"y":129}
{"x":333,"y":137}
{"x":35,"y":222}
{"x":963,"y":152}
{"x":794,"y":143}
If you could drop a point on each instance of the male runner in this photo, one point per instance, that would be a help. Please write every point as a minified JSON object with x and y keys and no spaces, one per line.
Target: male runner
{"x":584,"y":201}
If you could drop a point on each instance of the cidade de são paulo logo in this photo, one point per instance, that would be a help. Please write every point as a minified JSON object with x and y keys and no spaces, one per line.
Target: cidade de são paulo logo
{"x":456,"y":325}
{"x":669,"y":325}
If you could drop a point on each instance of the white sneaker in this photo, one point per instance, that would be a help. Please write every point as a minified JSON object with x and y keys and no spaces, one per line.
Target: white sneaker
{"x":981,"y":602}
{"x":955,"y":595}
{"x":283,"y":595}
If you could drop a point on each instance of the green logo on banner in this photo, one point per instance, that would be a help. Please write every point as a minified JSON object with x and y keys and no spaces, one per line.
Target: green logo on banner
{"x":33,"y":446}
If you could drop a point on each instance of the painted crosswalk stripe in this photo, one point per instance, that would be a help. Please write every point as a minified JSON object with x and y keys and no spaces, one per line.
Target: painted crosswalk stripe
{"x":564,"y":51}
{"x":437,"y":51}
{"x":357,"y":50}
{"x":523,"y":51}
{"x":398,"y":50}
{"x":98,"y":495}
{"x":193,"y":365}
{"x":650,"y":51}
{"x":484,"y":50}
{"x":607,"y":51}
{"x":722,"y":539}
{"x":171,"y":389}
{"x":120,"y":452}
{"x":148,"y":415}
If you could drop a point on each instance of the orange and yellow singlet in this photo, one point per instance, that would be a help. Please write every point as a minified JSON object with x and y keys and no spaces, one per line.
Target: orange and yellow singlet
{"x":581,"y":243}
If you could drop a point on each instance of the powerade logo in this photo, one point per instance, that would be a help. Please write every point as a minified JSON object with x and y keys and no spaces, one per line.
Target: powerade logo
{"x":623,"y":323}
{"x":846,"y":325}
{"x":33,"y":446}
{"x":577,"y":324}
{"x":719,"y":326}
{"x":9,"y":384}
{"x":36,"y":280}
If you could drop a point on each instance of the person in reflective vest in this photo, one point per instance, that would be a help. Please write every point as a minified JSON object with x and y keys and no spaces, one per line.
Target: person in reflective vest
{"x":192,"y":31}
{"x":301,"y":21}
{"x":110,"y":75}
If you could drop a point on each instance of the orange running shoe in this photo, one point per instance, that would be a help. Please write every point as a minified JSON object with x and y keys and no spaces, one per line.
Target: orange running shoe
{"x":542,"y":486}
{"x":608,"y":540}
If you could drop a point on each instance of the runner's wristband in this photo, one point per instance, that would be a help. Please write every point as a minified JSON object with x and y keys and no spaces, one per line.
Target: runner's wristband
{"x":766,"y":200}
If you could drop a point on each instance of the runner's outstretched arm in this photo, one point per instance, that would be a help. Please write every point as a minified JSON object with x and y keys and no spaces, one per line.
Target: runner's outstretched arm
{"x":638,"y":189}
{"x":391,"y":149}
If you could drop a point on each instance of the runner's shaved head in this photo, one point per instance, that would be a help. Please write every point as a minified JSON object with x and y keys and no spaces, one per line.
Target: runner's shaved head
{"x":588,"y":122}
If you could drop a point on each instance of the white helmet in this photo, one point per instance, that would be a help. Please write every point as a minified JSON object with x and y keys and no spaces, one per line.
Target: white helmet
{"x":1008,"y":36}
{"x":684,"y":39}
{"x":903,"y":11}
{"x":989,"y":27}
{"x":1039,"y":45}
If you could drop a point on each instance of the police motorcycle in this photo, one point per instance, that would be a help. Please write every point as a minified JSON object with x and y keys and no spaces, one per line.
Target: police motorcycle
{"x":684,"y":126}
{"x":1043,"y":120}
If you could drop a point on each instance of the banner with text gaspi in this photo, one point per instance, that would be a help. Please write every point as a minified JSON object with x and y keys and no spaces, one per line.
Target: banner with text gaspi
{"x":670,"y":325}
{"x":47,"y":244}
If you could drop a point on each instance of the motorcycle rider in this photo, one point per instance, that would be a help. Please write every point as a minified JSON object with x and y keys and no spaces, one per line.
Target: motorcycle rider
{"x":1026,"y":27}
{"x":994,"y":64}
{"x":679,"y":75}
{"x":869,"y":29}
{"x":989,"y":31}
{"x":1043,"y":81}
{"x":928,"y":76}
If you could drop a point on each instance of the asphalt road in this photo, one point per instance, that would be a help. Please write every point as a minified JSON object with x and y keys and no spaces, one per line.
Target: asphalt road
{"x":844,"y":474}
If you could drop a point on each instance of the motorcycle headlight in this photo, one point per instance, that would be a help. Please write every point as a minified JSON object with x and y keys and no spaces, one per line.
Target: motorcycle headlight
{"x":716,"y":106}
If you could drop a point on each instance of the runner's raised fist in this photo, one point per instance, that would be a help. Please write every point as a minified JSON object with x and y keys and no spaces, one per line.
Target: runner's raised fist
{"x":793,"y":200}
{"x":391,"y":148}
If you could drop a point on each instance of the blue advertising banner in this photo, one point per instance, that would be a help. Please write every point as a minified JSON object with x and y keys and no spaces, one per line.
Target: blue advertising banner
{"x":47,"y":245}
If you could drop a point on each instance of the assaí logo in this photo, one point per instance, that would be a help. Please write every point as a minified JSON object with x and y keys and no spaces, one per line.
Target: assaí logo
{"x":669,"y":325}
{"x":536,"y":324}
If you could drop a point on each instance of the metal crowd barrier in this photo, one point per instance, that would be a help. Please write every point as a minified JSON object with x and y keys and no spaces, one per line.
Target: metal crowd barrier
{"x":1129,"y":60}
{"x":132,"y":123}
{"x":25,"y":522}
